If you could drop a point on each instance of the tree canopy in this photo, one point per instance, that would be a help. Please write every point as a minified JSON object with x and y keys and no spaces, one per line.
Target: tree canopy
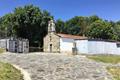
{"x":26,"y":22}
{"x":92,"y":27}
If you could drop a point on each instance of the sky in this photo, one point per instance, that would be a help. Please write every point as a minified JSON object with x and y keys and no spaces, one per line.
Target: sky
{"x":66,"y":9}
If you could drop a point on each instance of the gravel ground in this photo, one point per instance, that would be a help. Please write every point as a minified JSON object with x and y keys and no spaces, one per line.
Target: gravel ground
{"x":51,"y":66}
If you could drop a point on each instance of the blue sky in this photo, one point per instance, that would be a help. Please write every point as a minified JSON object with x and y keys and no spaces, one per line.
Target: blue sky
{"x":66,"y":9}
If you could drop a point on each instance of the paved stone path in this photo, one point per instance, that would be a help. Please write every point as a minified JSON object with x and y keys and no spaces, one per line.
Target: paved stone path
{"x":57,"y":67}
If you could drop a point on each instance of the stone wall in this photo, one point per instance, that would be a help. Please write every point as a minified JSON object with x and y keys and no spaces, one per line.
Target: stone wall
{"x":3,"y":43}
{"x":18,"y":45}
{"x":52,"y":43}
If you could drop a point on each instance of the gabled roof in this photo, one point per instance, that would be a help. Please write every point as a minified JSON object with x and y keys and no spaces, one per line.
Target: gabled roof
{"x":71,"y":36}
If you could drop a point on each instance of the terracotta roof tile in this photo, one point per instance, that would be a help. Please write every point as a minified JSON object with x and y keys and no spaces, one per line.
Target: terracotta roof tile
{"x":71,"y":36}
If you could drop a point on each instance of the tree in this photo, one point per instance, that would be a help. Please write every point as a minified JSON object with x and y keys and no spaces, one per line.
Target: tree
{"x":93,"y":18}
{"x":77,"y":25}
{"x":60,"y":26}
{"x":6,"y":25}
{"x":27,"y":22}
{"x":102,"y":30}
{"x":31,"y":23}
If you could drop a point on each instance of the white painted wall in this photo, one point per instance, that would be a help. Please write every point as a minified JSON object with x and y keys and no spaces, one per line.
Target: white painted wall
{"x":103,"y":47}
{"x":118,"y":51}
{"x":66,"y":44}
{"x":97,"y":47}
{"x":110,"y":47}
{"x":82,"y":46}
{"x":3,"y":43}
{"x":89,"y":46}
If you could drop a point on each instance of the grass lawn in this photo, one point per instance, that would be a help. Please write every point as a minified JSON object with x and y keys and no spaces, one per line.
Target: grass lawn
{"x":115,"y":72}
{"x":114,"y":59}
{"x":2,"y":50}
{"x":8,"y":72}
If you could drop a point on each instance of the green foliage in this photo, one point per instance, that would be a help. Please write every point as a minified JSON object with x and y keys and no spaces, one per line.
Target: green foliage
{"x":60,"y":26}
{"x":77,"y":25}
{"x":114,"y":59}
{"x":8,"y":72}
{"x":101,"y":29}
{"x":92,"y":27}
{"x":27,"y":22}
{"x":6,"y":25}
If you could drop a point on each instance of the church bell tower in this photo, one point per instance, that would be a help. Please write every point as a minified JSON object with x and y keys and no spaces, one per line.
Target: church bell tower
{"x":51,"y":41}
{"x":51,"y":27}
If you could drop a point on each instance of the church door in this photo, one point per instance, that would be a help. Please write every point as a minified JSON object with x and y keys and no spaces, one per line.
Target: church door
{"x":50,"y":47}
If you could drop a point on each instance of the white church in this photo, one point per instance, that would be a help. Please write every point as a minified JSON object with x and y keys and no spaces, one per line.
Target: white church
{"x":65,"y":43}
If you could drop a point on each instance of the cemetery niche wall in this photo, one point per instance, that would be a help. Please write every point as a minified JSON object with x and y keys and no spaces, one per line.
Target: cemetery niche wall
{"x":15,"y":45}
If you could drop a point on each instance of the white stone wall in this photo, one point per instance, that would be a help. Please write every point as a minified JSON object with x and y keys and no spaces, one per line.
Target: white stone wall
{"x":66,"y":45}
{"x":118,"y":51}
{"x":111,"y":47}
{"x":97,"y":47}
{"x":15,"y":45}
{"x":3,"y":43}
{"x":82,"y":46}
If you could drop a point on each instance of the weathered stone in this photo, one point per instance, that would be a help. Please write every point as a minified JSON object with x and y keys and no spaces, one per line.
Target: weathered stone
{"x":58,"y":67}
{"x":52,"y":43}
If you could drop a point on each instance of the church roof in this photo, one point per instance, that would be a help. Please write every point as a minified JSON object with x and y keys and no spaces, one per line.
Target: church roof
{"x":71,"y":36}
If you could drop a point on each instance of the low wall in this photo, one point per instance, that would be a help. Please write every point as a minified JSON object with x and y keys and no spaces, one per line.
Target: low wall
{"x":97,"y":47}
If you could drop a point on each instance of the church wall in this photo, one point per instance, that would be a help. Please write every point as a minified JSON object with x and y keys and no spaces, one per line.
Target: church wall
{"x":52,"y":43}
{"x":66,"y":45}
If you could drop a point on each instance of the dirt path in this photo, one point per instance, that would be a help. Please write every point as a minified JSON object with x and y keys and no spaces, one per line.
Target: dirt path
{"x":57,"y":67}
